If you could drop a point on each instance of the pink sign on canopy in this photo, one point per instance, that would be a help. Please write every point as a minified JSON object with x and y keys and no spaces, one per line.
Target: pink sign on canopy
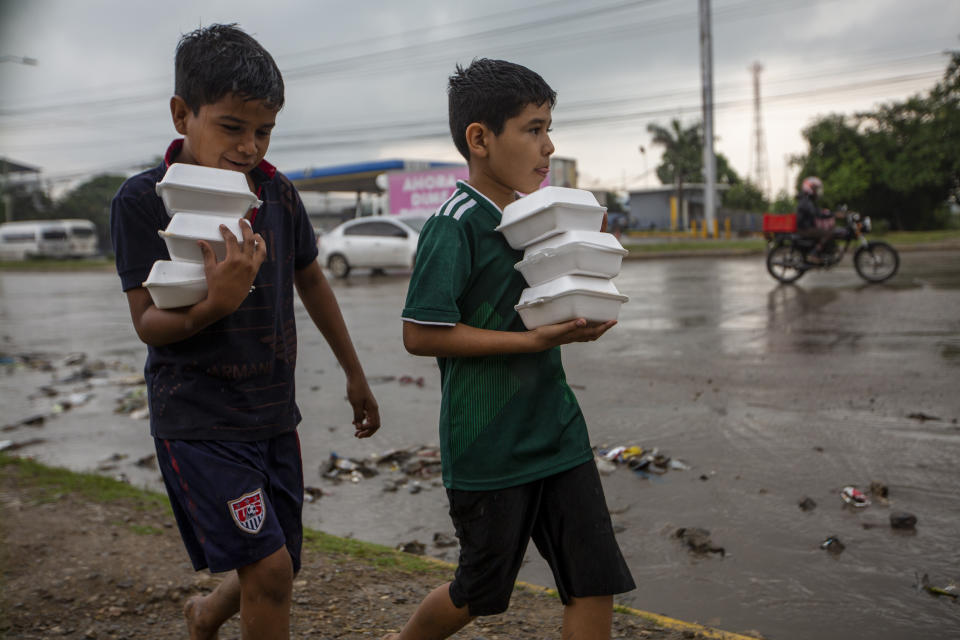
{"x":421,"y":192}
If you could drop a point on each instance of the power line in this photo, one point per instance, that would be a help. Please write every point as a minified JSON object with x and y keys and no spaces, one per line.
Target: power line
{"x":400,"y":57}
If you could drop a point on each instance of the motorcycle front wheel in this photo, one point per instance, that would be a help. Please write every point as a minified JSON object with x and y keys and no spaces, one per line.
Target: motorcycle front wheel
{"x":785,"y":263}
{"x":876,"y":262}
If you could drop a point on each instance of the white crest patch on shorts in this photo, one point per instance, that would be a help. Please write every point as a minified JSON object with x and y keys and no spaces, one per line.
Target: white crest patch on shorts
{"x":248,"y":511}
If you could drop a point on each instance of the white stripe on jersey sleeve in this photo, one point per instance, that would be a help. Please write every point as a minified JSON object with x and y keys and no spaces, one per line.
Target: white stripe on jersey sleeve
{"x":447,"y":206}
{"x":438,"y":210}
{"x":462,"y":208}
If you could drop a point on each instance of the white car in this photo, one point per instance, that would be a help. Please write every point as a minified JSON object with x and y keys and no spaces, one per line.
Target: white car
{"x":378,"y":242}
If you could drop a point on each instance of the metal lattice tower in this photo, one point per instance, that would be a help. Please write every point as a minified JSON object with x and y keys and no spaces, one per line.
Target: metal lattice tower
{"x":758,"y":168}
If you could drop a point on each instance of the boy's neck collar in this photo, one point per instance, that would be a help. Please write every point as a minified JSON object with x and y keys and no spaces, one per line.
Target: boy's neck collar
{"x":174,"y":150}
{"x":473,"y":189}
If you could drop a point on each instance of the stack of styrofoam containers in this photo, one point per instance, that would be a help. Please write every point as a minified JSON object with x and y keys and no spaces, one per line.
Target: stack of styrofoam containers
{"x":198,"y":200}
{"x":567,"y":261}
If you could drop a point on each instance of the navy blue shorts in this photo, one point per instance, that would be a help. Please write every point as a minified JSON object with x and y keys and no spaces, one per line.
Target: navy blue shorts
{"x":235,"y":502}
{"x":565,"y":515}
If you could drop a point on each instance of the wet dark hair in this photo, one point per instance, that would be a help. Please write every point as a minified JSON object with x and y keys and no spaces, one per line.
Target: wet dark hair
{"x":491,"y":92}
{"x":220,"y":59}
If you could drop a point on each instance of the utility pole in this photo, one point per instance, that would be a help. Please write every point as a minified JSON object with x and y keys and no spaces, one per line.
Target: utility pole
{"x":5,"y":190}
{"x":760,"y":170}
{"x":4,"y":168}
{"x":709,"y":160}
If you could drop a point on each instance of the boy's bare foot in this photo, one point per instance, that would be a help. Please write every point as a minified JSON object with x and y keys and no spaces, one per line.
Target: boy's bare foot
{"x":193,"y":612}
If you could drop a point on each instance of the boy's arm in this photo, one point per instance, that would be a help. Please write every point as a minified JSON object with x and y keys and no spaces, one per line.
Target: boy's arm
{"x":321,"y":304}
{"x":228,"y":283}
{"x":462,"y":340}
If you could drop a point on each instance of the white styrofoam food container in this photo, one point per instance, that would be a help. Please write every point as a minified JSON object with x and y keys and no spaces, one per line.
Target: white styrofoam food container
{"x":547,"y":212}
{"x":587,"y":253}
{"x":186,"y":228}
{"x":569,"y":297}
{"x":191,"y":187}
{"x":176,"y":284}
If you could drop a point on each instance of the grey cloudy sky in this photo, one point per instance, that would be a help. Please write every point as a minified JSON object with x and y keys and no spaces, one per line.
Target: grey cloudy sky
{"x":366,"y":79}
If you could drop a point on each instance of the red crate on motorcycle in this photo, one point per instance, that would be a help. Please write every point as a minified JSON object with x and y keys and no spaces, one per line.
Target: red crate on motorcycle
{"x":779,"y":222}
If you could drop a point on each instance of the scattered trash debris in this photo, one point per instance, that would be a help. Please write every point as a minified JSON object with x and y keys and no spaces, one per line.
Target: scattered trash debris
{"x":10,"y":445}
{"x":923,"y":583}
{"x":903,"y":520}
{"x":337,"y":468}
{"x":444,"y":540}
{"x":415,"y":547}
{"x":922,"y":417}
{"x":880,"y":492}
{"x":807,"y":504}
{"x":833,"y":545}
{"x":854,"y":497}
{"x":71,"y":401}
{"x":133,"y":400}
{"x":74,"y":359}
{"x":148,"y":461}
{"x":605,"y":467}
{"x":642,"y":462}
{"x":82,"y":375}
{"x":404,"y":380}
{"x":312,"y":494}
{"x":698,"y":540}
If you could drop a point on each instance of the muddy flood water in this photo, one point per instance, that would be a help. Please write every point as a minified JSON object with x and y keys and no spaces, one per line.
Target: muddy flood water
{"x":761,"y":394}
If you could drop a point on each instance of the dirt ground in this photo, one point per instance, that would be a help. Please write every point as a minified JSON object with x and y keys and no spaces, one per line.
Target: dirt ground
{"x":75,"y":567}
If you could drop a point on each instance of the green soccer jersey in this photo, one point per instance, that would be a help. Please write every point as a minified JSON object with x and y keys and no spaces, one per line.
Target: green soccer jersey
{"x":504,"y":419}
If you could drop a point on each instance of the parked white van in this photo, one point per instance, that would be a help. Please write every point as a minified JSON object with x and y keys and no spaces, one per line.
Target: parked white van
{"x":34,"y":239}
{"x":82,"y":236}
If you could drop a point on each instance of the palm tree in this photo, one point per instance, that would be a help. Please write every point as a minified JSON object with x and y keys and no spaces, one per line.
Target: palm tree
{"x":682,"y":154}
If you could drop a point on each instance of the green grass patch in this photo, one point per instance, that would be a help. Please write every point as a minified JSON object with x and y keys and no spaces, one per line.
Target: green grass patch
{"x":748,"y":244}
{"x":379,"y":556}
{"x":918,"y":237}
{"x":144,"y":530}
{"x":53,"y":482}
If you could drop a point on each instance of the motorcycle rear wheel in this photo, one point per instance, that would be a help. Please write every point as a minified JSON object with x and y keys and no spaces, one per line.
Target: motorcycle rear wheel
{"x":785,"y":263}
{"x":876,"y":262}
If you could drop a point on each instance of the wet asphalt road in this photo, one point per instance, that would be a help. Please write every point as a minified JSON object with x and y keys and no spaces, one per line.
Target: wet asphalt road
{"x":769,"y":393}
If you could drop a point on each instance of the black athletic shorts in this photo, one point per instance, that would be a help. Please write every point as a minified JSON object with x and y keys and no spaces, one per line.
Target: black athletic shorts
{"x":565,"y":514}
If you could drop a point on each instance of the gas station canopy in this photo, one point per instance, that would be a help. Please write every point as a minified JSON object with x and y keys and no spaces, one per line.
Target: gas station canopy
{"x":356,"y":177}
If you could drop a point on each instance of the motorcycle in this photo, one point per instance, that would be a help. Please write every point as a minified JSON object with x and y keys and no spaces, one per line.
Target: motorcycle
{"x":789,"y":254}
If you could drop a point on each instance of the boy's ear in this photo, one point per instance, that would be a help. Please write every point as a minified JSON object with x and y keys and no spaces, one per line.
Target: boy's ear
{"x":179,"y":112}
{"x":477,"y":136}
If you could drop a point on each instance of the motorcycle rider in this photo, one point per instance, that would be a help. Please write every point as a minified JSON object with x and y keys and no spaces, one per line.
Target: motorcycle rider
{"x":811,"y":219}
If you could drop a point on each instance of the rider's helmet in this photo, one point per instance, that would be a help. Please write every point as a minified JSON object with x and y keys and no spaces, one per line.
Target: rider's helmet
{"x":812,"y":185}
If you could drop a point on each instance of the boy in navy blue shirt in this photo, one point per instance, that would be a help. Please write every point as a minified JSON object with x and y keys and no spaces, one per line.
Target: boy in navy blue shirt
{"x":220,"y":373}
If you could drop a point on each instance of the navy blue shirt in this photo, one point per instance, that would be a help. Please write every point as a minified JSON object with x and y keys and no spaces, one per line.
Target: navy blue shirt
{"x":234,"y":380}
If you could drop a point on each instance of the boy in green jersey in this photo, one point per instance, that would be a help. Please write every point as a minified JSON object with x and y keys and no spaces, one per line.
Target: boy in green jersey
{"x":517,"y":460}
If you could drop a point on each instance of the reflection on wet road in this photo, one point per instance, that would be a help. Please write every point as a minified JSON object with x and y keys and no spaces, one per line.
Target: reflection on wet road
{"x":770,"y":393}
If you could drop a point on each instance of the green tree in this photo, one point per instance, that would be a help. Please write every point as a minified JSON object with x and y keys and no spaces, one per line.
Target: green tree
{"x":898,"y":163}
{"x":91,"y":201}
{"x":784,"y":203}
{"x":682,"y":159}
{"x":26,"y":202}
{"x":746,"y":196}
